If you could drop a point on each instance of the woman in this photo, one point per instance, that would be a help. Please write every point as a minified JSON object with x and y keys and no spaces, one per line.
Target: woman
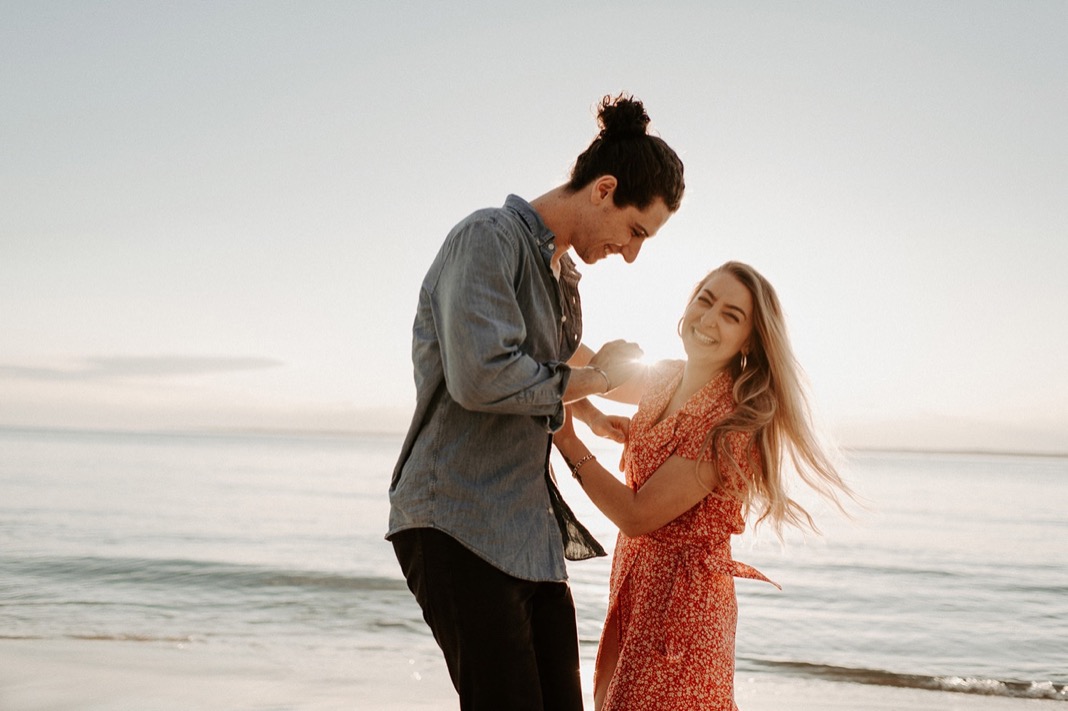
{"x":704,"y":449}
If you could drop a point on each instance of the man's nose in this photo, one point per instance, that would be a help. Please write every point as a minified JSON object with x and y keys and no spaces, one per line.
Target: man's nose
{"x":631,"y":249}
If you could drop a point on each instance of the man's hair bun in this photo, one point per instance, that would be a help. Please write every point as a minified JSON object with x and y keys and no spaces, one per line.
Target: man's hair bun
{"x":644,"y":166}
{"x":622,"y":117}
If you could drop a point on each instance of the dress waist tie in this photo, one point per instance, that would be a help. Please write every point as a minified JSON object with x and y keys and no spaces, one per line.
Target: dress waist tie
{"x":694,"y":562}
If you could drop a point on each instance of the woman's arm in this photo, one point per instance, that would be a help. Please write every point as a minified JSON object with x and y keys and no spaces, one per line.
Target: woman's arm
{"x":676,"y":487}
{"x":613,"y":427}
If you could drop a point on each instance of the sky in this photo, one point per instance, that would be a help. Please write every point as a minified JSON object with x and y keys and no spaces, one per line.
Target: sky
{"x":218,"y":215}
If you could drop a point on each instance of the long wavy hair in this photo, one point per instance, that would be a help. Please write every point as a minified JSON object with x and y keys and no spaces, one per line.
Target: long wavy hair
{"x":771,"y":405}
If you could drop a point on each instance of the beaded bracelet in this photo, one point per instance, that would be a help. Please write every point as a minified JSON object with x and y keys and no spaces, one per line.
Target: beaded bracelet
{"x":578,"y":465}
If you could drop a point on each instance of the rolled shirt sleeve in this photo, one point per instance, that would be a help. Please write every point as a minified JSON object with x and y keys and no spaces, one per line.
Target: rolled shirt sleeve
{"x":487,"y":346}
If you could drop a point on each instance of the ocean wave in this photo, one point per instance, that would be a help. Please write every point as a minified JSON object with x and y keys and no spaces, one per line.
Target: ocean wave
{"x":192,"y":573}
{"x":960,"y":684}
{"x":127,"y":637}
{"x":119,"y":637}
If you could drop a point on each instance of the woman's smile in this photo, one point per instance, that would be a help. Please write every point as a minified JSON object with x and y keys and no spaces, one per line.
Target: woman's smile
{"x":702,"y":338}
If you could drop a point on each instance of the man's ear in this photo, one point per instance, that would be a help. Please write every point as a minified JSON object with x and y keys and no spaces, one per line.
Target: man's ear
{"x":603,"y":189}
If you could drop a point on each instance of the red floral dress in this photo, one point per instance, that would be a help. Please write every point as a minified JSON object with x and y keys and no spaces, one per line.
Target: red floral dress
{"x":672,"y":591}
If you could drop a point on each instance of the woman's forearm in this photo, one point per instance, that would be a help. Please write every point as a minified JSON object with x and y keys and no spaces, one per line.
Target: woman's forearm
{"x":611,"y":496}
{"x":674,"y":488}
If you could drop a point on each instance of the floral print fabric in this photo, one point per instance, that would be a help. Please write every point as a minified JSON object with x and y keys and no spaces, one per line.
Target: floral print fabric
{"x":671,"y":595}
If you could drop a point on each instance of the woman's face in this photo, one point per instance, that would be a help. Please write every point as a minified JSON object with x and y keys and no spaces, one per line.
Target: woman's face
{"x":718,"y":322}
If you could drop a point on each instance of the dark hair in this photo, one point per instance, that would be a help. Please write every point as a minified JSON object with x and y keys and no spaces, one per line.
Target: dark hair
{"x":644,"y":165}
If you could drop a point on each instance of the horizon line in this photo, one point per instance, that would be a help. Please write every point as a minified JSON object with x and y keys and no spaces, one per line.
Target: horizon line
{"x":345,"y":433}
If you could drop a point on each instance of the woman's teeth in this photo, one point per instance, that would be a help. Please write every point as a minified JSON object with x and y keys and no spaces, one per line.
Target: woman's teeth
{"x":702,"y":338}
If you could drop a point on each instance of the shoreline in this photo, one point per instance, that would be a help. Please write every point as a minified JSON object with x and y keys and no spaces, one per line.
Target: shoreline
{"x":80,"y":675}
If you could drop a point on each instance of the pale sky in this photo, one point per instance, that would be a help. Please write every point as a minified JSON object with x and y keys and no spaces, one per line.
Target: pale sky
{"x":219,"y":214}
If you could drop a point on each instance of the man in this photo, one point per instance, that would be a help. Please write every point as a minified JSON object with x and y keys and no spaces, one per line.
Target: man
{"x":476,"y":520}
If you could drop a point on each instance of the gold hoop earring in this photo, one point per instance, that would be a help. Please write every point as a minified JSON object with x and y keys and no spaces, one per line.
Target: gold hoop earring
{"x":745,"y":361}
{"x":678,"y":329}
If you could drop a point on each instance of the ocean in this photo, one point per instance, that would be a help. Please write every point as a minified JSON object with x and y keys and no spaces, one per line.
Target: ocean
{"x":265,"y":554}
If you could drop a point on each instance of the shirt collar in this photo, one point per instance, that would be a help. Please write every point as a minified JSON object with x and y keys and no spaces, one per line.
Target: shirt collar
{"x":542,"y":237}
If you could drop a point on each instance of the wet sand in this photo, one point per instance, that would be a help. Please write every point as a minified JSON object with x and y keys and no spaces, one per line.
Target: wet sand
{"x":81,"y":675}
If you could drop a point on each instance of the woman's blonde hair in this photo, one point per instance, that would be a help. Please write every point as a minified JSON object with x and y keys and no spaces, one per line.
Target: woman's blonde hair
{"x":772,"y":407}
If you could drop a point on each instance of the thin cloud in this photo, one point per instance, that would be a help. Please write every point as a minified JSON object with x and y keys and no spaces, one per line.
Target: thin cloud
{"x":107,"y":368}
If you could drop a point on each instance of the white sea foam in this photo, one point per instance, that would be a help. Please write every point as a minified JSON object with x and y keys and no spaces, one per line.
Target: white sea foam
{"x":992,"y":687}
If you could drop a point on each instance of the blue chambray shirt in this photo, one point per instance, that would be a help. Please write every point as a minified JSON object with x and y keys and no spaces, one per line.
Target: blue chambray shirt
{"x":492,"y":332}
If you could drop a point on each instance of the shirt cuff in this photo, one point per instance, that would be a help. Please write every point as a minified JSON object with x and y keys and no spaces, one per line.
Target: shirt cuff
{"x":556,"y":420}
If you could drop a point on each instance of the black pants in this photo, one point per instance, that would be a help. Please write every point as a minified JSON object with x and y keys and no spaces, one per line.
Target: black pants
{"x":510,"y":644}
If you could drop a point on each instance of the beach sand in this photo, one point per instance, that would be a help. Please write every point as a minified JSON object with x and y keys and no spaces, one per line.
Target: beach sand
{"x":80,"y":675}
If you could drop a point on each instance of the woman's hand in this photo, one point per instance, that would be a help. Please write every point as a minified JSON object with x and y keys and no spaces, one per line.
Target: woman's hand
{"x":613,"y":427}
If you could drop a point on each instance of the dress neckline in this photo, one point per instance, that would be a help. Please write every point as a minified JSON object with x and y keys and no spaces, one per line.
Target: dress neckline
{"x":712,"y":390}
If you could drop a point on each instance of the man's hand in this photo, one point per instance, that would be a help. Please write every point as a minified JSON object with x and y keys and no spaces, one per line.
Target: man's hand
{"x":619,"y":360}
